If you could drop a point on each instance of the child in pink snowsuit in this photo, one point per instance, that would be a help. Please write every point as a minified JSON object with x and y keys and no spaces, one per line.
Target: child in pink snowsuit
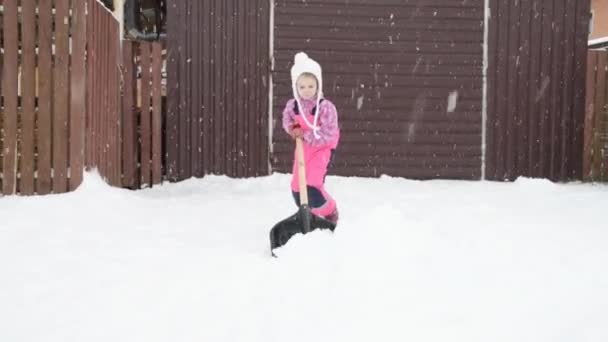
{"x":315,"y":119}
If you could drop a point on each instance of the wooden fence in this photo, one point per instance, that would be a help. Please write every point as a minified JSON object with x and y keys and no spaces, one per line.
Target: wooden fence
{"x":536,"y":89}
{"x":42,"y":113}
{"x":74,"y":96}
{"x":142,"y":114}
{"x":103,"y":126}
{"x":124,"y":119}
{"x":217,"y":88}
{"x":595,"y":166}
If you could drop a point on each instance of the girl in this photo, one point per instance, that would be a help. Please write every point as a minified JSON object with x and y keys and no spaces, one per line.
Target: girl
{"x":315,"y":119}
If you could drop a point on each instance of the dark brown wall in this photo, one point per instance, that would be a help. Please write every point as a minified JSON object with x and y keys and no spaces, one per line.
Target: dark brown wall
{"x":217,"y":101}
{"x":536,"y":89}
{"x":390,"y":67}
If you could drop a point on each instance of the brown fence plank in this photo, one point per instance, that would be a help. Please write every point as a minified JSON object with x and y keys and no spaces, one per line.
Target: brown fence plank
{"x":146,"y":125}
{"x":129,"y":134}
{"x":186,"y":91}
{"x":592,"y":60}
{"x":535,"y":84}
{"x":217,"y":103}
{"x":257,"y":100}
{"x":502,"y":86}
{"x":264,"y":46}
{"x":231,"y":79}
{"x":188,"y":122}
{"x":78,"y":93}
{"x":9,"y":92}
{"x":196,"y":125}
{"x":512,"y":111}
{"x":578,"y":107}
{"x":103,"y":88}
{"x":156,"y":113}
{"x":45,"y":110}
{"x":524,"y":79}
{"x":544,"y":91}
{"x":115,"y":112}
{"x":567,"y":121}
{"x":89,"y":86}
{"x":28,"y":97}
{"x":251,"y":65}
{"x":60,"y":97}
{"x":241,"y":35}
{"x":557,"y":82}
{"x":183,"y":151}
{"x":492,"y":75}
{"x":600,"y":106}
{"x":208,"y":36}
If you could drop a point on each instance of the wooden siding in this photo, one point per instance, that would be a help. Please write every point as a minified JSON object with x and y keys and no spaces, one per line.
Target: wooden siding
{"x":406,"y":77}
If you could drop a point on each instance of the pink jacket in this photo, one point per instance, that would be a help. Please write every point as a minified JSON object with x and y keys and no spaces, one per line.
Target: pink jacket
{"x":328,"y":134}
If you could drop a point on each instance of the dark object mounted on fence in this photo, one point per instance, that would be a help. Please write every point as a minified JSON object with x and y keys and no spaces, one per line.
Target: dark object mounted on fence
{"x":145,"y":19}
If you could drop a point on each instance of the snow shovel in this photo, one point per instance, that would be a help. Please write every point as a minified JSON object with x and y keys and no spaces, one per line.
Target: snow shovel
{"x":303,"y":221}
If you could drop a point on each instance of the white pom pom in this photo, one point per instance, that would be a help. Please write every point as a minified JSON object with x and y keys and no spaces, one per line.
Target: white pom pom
{"x":300,"y":57}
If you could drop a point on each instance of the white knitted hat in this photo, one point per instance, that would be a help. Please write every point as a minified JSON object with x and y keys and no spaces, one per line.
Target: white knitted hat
{"x":303,"y":64}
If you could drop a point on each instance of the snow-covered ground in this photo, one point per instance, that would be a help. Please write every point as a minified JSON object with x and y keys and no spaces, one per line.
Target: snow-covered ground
{"x":410,"y":261}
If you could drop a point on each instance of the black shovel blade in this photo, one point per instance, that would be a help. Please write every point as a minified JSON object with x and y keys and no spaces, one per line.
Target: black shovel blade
{"x":301,"y":222}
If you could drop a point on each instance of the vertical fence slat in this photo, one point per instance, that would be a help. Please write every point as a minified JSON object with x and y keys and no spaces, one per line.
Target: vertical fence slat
{"x":512,"y":111}
{"x":523,"y":87}
{"x":250,"y":71}
{"x":9,"y":92}
{"x":60,"y":97}
{"x":207,"y":85}
{"x":115,"y":122}
{"x":195,"y":125}
{"x":492,"y":75}
{"x":78,"y":92}
{"x":89,"y":85}
{"x":128,"y":113}
{"x":188,"y":129}
{"x":557,"y":83}
{"x":600,"y":107}
{"x":578,"y":109}
{"x":217,"y":82}
{"x":503,"y":77}
{"x":241,"y":89}
{"x":146,"y":136}
{"x":567,"y":120}
{"x":264,"y":149}
{"x":183,"y":114}
{"x":104,"y":117}
{"x":171,"y":140}
{"x":28,"y":97}
{"x":544,"y":91}
{"x":156,"y":112}
{"x":592,"y":60}
{"x":128,"y":117}
{"x":45,"y":109}
{"x":255,"y":138}
{"x":534,"y":90}
{"x":228,"y":68}
{"x":600,"y":104}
